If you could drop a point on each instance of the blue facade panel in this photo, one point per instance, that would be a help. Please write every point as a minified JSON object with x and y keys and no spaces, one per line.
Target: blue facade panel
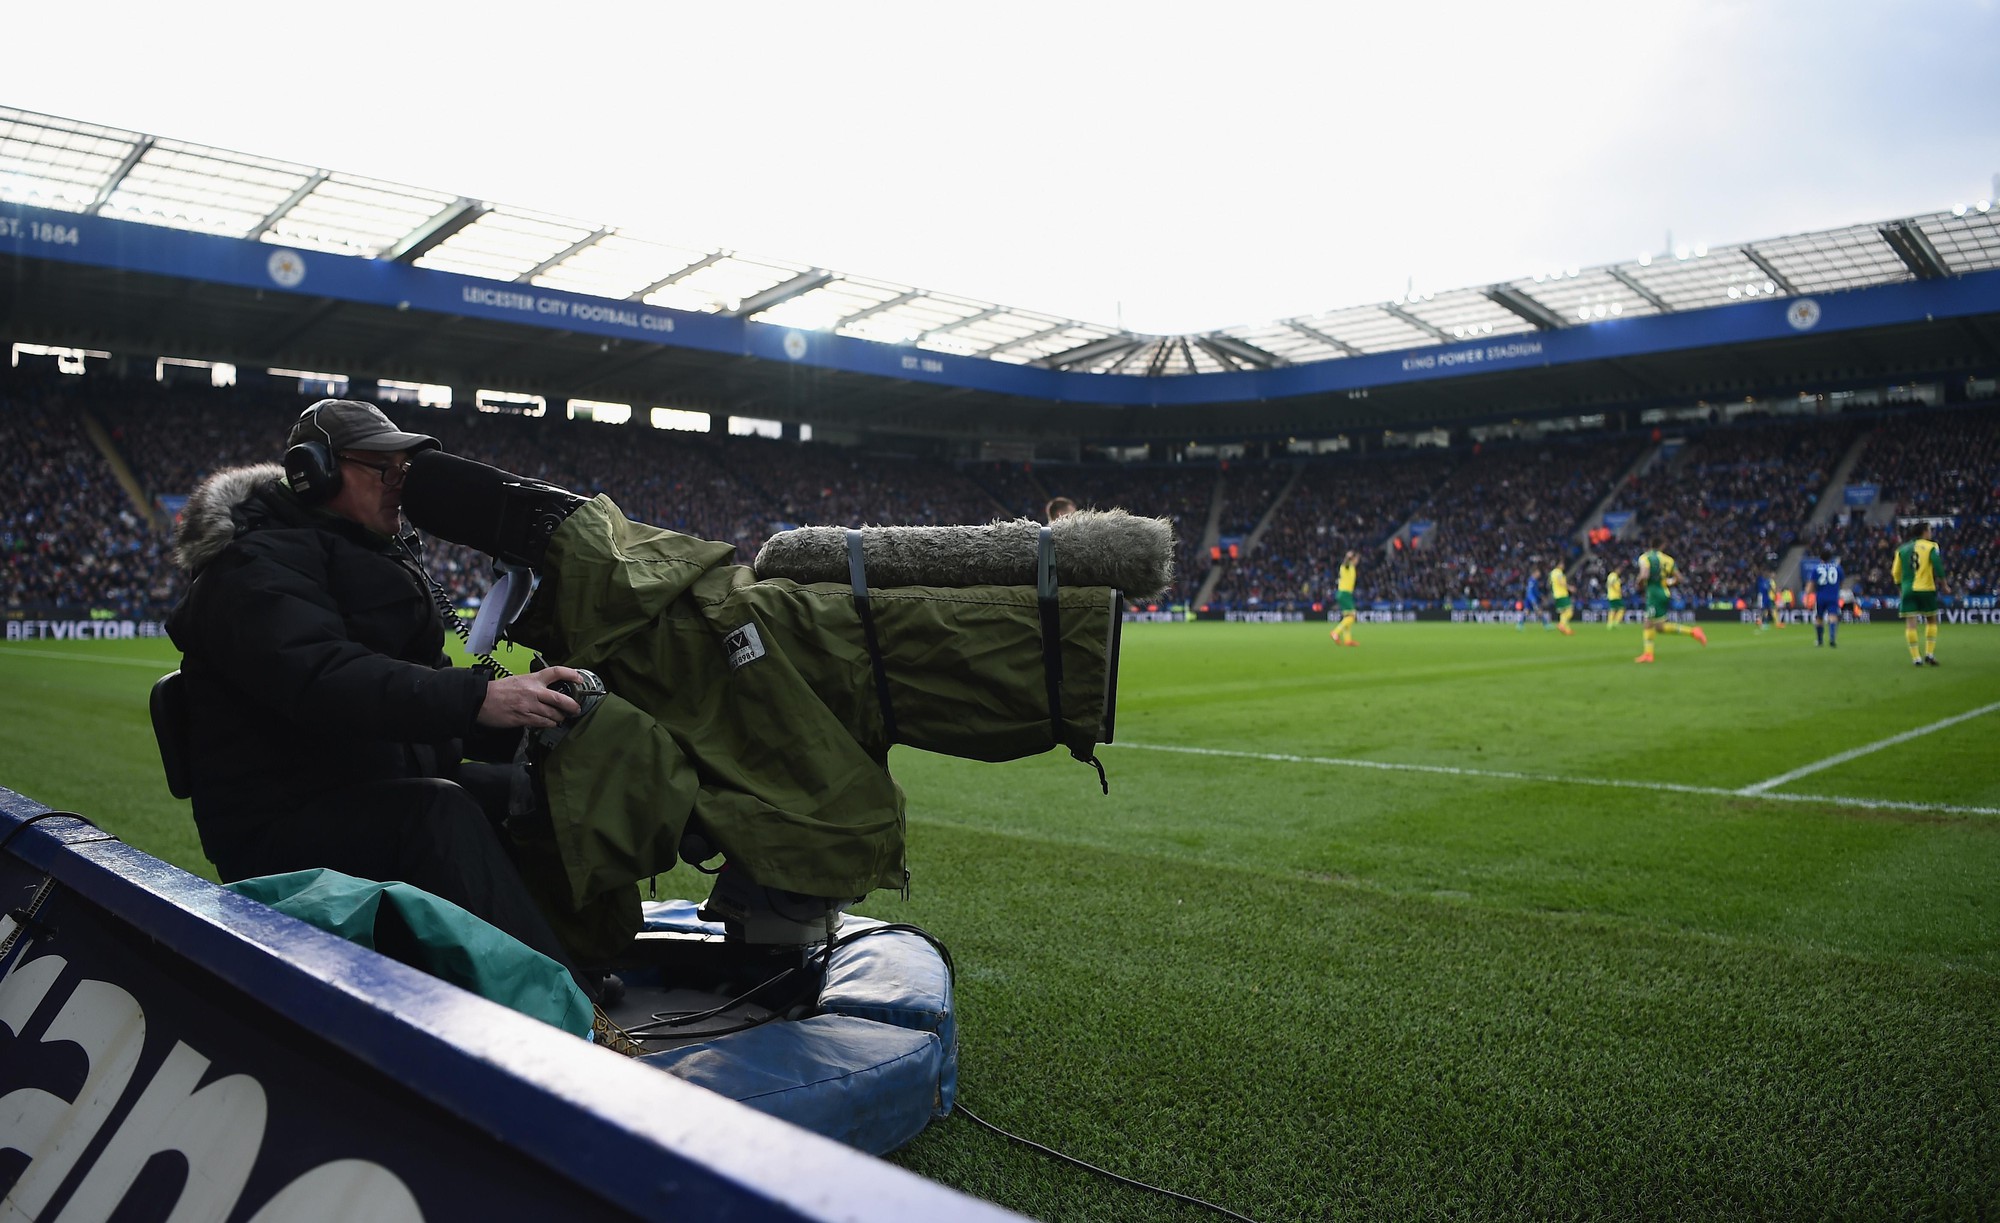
{"x":134,"y":247}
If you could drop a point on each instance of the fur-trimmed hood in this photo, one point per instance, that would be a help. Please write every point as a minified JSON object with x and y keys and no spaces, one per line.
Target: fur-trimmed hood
{"x":208,"y":522}
{"x":1092,"y":548}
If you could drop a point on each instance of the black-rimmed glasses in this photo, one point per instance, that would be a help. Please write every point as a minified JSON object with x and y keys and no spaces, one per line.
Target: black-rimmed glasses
{"x":392,"y":473}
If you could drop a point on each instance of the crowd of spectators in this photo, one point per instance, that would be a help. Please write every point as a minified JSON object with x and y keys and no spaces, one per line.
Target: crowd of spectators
{"x":1181,"y":492}
{"x":824,"y":486}
{"x":1350,"y":502}
{"x":75,"y":538}
{"x":1013,"y":485}
{"x":1730,"y":501}
{"x":1508,"y":511}
{"x":1943,"y":466}
{"x":69,"y":534}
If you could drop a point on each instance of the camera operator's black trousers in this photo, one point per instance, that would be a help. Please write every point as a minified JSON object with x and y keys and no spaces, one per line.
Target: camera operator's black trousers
{"x":426,"y":832}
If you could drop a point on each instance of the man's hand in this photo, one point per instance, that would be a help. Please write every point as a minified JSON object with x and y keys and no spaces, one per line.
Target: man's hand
{"x":526,"y":700}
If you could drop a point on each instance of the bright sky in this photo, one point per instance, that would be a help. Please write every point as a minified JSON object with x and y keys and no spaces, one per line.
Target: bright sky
{"x":1172,"y":166}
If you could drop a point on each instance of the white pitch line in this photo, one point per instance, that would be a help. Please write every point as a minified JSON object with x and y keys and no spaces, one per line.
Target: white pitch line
{"x":1615,"y":783}
{"x":1865,"y":749}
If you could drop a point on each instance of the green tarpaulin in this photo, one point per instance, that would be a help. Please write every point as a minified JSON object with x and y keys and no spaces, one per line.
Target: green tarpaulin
{"x":752,"y":707}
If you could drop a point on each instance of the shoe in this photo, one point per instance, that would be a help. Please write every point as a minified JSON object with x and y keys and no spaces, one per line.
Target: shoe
{"x":1352,"y":642}
{"x":1335,"y":634}
{"x":1646,"y":657}
{"x":1930,"y":661}
{"x":1568,"y":632}
{"x":1916,"y":662}
{"x":1700,"y":637}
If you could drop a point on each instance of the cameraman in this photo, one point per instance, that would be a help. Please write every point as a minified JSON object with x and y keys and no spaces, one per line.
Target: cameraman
{"x":327,"y":727}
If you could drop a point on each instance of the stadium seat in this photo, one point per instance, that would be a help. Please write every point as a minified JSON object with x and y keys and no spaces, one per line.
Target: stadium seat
{"x":169,"y":707}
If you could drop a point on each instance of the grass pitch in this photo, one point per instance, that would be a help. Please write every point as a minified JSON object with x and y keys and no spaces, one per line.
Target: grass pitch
{"x":1464,"y":922}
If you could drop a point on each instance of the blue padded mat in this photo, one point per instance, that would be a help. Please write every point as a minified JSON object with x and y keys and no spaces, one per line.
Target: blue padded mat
{"x":870,"y":1071}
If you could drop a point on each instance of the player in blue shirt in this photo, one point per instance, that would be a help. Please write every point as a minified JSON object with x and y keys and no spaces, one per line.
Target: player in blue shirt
{"x":1531,"y":598}
{"x":1825,"y":577}
{"x":1766,"y":602}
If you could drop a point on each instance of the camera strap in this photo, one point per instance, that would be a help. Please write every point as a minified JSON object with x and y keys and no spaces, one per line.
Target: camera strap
{"x":1046,"y":589}
{"x":857,"y":575}
{"x":447,"y":614}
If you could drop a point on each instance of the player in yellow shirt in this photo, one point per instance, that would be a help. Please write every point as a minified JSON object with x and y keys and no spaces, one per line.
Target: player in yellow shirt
{"x":1614,"y":595}
{"x":1920,"y":569}
{"x":1559,"y":590}
{"x":1343,"y":633}
{"x":1656,"y":570}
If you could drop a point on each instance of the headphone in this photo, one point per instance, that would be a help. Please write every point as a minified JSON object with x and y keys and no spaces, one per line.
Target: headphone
{"x":312,"y":469}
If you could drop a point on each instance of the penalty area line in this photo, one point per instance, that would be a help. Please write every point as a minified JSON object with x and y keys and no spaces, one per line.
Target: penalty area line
{"x":1612,"y":783}
{"x":1759,"y":788}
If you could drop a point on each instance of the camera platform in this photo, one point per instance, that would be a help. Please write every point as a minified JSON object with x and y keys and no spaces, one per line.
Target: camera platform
{"x":855,"y":1039}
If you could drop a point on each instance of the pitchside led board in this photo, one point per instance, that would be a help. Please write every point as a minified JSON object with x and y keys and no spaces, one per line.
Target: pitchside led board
{"x":172,"y":1050}
{"x":128,"y":245}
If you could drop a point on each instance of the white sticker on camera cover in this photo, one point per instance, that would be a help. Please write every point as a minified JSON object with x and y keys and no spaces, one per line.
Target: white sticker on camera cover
{"x":742,"y":646}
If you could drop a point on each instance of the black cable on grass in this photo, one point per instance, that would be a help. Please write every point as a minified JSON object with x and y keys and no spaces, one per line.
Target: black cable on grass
{"x":1089,"y":1167}
{"x":643,"y":1032}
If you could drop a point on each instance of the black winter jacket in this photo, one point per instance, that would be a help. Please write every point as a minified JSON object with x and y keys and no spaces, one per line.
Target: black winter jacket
{"x":314,"y":658}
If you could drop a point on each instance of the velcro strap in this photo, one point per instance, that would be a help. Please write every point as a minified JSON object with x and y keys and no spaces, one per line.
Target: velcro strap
{"x":857,"y":574}
{"x":1045,"y":594}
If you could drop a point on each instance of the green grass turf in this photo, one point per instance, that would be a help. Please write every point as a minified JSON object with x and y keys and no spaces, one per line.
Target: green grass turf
{"x":1312,"y":990}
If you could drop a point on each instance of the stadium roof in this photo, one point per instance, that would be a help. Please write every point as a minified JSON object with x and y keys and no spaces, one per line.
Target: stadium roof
{"x":80,"y":167}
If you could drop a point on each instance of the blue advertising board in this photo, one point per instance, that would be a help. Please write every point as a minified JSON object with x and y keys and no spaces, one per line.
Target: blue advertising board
{"x":170,"y":1049}
{"x":1859,"y":494}
{"x":132,"y":246}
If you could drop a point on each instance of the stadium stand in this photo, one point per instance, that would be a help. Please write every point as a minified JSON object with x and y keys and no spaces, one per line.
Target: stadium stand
{"x":70,"y":534}
{"x":1013,"y":485}
{"x":1733,"y":500}
{"x":1181,"y":492}
{"x":1509,"y":510}
{"x":1337,"y":504}
{"x":1942,"y":465}
{"x":1730,"y":498}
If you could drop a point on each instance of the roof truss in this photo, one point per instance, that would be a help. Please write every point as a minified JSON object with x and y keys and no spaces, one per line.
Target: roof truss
{"x":73,"y":166}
